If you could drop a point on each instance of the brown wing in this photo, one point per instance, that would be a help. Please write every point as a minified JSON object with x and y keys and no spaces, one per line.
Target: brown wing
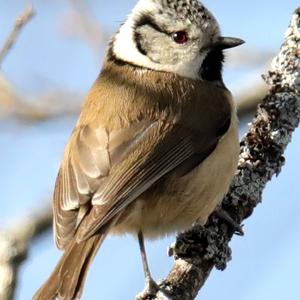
{"x":104,"y":172}
{"x":88,"y":159}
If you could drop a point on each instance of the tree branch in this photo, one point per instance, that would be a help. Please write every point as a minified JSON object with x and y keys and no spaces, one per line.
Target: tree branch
{"x":20,"y":22}
{"x":14,"y":243}
{"x":199,"y":250}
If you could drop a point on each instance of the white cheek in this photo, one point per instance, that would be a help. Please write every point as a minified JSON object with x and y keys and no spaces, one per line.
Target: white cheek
{"x":124,"y":46}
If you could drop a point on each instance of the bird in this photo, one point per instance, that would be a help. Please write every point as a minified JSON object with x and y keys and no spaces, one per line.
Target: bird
{"x":156,"y":144}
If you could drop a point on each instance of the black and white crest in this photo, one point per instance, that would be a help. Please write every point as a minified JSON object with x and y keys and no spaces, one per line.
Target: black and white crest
{"x":192,"y":10}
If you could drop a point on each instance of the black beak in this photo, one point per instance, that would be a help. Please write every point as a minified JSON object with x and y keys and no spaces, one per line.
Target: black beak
{"x":227,"y":42}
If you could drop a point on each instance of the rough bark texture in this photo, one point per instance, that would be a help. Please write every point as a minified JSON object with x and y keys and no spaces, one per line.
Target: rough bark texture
{"x":200,"y":249}
{"x":14,"y":243}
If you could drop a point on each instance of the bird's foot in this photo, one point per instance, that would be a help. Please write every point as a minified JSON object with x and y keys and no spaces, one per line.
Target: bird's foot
{"x":224,"y":215}
{"x":150,"y":290}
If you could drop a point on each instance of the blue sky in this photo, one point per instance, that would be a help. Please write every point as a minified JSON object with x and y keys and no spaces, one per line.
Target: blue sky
{"x":265,"y":262}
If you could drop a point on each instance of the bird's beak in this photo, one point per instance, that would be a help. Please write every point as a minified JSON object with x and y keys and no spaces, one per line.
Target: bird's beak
{"x":227,"y":42}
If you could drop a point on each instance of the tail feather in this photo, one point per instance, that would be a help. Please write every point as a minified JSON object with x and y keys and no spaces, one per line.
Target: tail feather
{"x":67,"y":280}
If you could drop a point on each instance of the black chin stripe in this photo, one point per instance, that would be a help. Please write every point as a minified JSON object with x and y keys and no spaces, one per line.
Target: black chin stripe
{"x":211,"y":69}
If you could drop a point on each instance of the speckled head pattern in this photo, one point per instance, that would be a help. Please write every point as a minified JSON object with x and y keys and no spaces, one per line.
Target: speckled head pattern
{"x":186,"y":9}
{"x":145,"y":39}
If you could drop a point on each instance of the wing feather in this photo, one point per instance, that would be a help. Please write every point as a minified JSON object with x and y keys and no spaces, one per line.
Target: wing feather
{"x":127,"y":185}
{"x":104,"y":172}
{"x":87,"y":163}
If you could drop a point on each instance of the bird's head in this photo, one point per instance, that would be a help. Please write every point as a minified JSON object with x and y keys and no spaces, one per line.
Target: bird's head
{"x":178,"y":36}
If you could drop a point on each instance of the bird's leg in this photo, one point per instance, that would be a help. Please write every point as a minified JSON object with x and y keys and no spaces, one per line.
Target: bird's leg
{"x":151,"y":287}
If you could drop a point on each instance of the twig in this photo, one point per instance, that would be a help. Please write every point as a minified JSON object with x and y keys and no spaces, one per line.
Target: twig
{"x":40,"y":107}
{"x":7,"y":97}
{"x":47,"y":106}
{"x":20,"y":22}
{"x":14,"y":243}
{"x":200,"y":249}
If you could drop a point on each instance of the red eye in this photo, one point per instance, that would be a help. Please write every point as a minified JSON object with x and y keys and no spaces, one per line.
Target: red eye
{"x":180,"y":37}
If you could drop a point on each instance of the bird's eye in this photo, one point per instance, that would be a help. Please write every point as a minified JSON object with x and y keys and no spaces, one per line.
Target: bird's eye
{"x":180,"y":37}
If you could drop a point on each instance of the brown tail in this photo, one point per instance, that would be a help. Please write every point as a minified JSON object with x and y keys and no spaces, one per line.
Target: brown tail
{"x":67,"y":280}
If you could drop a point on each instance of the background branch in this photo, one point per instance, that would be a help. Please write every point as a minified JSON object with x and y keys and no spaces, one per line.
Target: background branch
{"x":20,"y":22}
{"x":14,"y":244}
{"x":199,"y":250}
